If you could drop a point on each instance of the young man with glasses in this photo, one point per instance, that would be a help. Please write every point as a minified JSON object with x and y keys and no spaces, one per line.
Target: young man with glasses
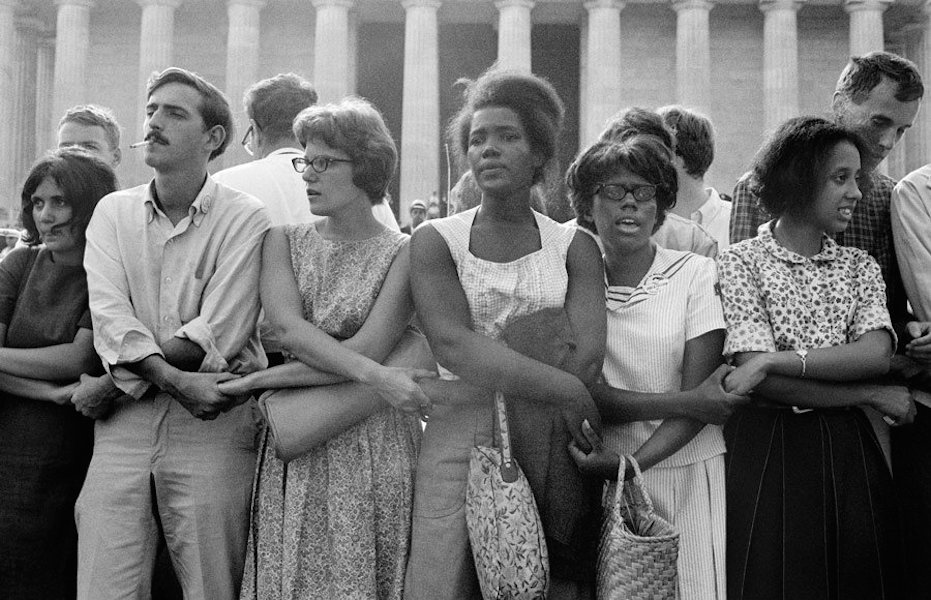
{"x":173,"y":272}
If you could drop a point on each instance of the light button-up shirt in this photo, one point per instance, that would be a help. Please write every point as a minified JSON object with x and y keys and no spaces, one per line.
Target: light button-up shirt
{"x":150,"y":280}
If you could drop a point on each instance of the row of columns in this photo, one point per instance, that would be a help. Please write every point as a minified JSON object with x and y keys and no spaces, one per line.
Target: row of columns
{"x":334,"y":61}
{"x":602,"y":55}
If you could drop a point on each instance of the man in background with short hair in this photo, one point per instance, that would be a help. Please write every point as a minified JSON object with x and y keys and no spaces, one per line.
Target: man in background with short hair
{"x":93,"y":128}
{"x":694,"y":153}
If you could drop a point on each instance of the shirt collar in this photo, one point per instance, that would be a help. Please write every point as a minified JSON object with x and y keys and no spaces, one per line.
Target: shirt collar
{"x":199,"y":208}
{"x":289,"y":151}
{"x":828,"y":247}
{"x":926,"y":170}
{"x":712,"y":207}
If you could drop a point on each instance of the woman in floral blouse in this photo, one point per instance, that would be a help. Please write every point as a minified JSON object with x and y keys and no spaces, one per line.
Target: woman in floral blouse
{"x":809,"y":497}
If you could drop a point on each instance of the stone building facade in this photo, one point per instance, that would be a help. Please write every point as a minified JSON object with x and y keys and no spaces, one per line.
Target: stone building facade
{"x":746,"y":64}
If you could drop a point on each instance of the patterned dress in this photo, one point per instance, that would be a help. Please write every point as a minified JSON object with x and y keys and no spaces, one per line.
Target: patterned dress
{"x":810,"y":507}
{"x":335,"y":523}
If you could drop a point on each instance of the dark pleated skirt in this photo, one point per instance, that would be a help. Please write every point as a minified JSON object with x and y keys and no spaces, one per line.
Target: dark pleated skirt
{"x":44,"y":453}
{"x":811,"y":511}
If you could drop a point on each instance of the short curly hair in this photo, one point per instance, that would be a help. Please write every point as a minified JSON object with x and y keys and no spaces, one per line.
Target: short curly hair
{"x":354,"y":126}
{"x":83,"y":178}
{"x":532,"y":98}
{"x":641,"y":154}
{"x":788,"y":170}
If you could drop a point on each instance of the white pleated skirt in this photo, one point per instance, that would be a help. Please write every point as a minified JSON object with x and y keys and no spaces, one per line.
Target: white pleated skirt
{"x":692,"y":498}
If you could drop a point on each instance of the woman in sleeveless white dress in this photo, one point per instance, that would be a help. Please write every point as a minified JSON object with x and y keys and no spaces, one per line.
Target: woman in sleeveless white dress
{"x":472,"y":274}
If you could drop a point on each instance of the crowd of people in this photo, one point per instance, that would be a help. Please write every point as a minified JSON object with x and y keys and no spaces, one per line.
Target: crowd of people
{"x":766,"y":359}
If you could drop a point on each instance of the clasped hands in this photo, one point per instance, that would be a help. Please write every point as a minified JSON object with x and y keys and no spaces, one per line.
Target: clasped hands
{"x":893,"y":402}
{"x":711,"y":402}
{"x":399,"y":387}
{"x":200,"y":394}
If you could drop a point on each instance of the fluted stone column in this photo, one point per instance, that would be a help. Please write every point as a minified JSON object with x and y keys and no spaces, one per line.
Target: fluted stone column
{"x":45,"y":82}
{"x":354,"y":24}
{"x":72,"y":40}
{"x":866,"y":25}
{"x":693,"y":53}
{"x":514,"y":34}
{"x":156,"y":44}
{"x":420,"y":118}
{"x":156,"y":39}
{"x":583,"y":77}
{"x":242,"y":67}
{"x":603,"y":72}
{"x":331,"y":49}
{"x":7,"y":100}
{"x":780,"y":61}
{"x":24,"y":123}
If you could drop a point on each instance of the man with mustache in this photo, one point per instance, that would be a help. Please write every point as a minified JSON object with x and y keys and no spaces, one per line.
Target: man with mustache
{"x":94,"y":128}
{"x":173,"y":269}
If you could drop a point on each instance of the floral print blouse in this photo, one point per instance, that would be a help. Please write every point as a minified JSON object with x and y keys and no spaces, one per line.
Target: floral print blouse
{"x":775,"y":299}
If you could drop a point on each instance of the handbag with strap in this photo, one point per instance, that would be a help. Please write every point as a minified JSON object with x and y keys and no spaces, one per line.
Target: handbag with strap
{"x":638,"y":550}
{"x":300,"y":419}
{"x":505,"y":531}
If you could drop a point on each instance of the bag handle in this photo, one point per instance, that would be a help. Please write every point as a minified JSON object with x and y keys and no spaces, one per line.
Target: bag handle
{"x":503,"y":438}
{"x":635,"y":492}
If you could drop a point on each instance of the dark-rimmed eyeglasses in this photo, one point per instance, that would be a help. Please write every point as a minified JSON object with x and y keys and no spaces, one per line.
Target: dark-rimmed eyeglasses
{"x":318,"y":163}
{"x":617,"y":191}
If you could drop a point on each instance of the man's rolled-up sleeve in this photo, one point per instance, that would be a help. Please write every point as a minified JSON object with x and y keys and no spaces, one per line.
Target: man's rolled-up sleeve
{"x":119,"y":337}
{"x":230,"y":308}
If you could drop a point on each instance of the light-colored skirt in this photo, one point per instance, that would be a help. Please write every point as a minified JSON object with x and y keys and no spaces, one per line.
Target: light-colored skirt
{"x":692,"y":498}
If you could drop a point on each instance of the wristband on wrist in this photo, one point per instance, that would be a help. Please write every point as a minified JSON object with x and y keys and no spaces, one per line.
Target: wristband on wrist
{"x":803,"y":356}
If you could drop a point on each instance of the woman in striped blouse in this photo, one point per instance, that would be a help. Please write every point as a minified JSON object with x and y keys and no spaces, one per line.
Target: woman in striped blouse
{"x":662,"y":377}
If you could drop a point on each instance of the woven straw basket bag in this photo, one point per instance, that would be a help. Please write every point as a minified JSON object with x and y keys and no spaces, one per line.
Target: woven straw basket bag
{"x":505,"y":531}
{"x":638,"y":550}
